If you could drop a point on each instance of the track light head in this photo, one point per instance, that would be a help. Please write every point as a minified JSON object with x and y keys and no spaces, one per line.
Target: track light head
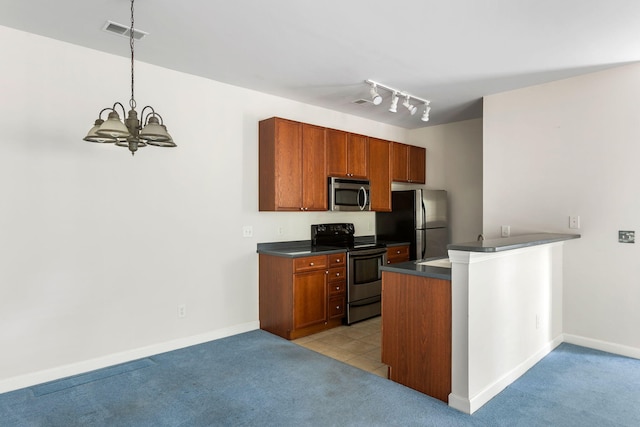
{"x":394,"y":103}
{"x":412,"y":108}
{"x":427,"y":109}
{"x":375,"y":97}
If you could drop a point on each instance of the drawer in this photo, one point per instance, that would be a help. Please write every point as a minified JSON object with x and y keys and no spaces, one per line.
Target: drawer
{"x":337,"y":274}
{"x":336,"y":307}
{"x":338,"y":288}
{"x":336,"y":260}
{"x":397,"y":254}
{"x":309,"y":263}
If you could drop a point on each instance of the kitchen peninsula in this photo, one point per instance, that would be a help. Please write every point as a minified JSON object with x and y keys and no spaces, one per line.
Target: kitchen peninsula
{"x":464,"y":333}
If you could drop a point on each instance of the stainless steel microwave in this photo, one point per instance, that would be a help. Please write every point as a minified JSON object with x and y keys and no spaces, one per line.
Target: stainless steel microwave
{"x":349,"y":195}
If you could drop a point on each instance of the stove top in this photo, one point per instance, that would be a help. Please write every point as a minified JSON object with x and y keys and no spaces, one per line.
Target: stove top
{"x":339,"y":235}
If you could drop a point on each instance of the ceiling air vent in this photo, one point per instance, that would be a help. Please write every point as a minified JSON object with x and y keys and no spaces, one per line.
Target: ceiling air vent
{"x":362,"y":101}
{"x":123,"y":30}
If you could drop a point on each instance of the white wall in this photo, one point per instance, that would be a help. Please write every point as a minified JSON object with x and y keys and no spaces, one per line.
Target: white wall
{"x":97,"y":248}
{"x":506,"y":316}
{"x":569,"y":148}
{"x":454,"y":163}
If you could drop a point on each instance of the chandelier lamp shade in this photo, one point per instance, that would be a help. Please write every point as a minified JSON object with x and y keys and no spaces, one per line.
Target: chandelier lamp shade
{"x":376,"y":99}
{"x":133,"y":133}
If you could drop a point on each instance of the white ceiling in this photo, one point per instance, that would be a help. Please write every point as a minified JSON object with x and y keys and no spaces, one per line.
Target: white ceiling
{"x":452,"y":52}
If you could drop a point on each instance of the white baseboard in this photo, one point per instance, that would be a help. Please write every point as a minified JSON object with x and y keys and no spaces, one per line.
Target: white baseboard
{"x":609,"y":347}
{"x":28,"y":380}
{"x":473,"y":403}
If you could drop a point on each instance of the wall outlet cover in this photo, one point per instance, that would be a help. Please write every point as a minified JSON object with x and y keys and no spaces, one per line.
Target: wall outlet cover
{"x":626,"y":236}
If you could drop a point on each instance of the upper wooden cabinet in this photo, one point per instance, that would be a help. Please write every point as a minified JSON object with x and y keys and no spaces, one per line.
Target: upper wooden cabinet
{"x":380,"y":174}
{"x":292,"y":163}
{"x":409,"y":163}
{"x":347,"y":154}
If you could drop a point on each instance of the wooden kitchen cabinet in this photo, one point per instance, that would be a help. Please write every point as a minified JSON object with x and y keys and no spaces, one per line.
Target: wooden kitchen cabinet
{"x":297,"y":296}
{"x":337,"y":286}
{"x":380,"y":174}
{"x":409,"y":163}
{"x":347,"y":154}
{"x":416,"y":332}
{"x":396,"y":254}
{"x":292,"y":166}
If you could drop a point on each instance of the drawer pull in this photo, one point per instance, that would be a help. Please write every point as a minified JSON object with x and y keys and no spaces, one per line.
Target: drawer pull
{"x":397,"y":252}
{"x":337,"y":307}
{"x":311,"y":264}
{"x":337,"y":274}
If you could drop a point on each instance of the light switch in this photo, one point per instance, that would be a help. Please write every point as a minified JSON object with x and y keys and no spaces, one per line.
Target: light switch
{"x":574,"y":221}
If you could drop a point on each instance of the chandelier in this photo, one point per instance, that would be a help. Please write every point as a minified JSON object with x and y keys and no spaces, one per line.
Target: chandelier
{"x":133,"y":133}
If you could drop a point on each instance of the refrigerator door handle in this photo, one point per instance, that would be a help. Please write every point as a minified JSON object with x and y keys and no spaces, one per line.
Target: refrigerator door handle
{"x":421,"y":243}
{"x":424,"y":215}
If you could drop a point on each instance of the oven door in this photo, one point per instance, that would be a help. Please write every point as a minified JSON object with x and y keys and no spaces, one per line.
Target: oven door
{"x":364,"y":275}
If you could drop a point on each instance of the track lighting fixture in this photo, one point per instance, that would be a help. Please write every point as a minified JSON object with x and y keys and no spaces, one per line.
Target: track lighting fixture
{"x":376,"y":99}
{"x":427,"y":109}
{"x":394,"y":102}
{"x":412,"y":108}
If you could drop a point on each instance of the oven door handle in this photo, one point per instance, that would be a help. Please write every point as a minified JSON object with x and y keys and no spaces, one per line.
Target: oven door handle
{"x":367,"y":253}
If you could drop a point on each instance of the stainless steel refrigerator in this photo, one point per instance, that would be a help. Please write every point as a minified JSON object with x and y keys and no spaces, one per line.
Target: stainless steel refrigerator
{"x":418,"y":217}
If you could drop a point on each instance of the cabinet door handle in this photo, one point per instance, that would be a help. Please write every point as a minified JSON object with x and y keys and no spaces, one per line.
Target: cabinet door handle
{"x":337,"y":288}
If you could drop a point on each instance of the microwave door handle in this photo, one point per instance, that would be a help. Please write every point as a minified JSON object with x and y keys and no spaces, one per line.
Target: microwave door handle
{"x":364,"y":194}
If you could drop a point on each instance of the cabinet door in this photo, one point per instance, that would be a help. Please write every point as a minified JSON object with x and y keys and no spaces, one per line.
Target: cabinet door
{"x":347,"y":154}
{"x":417,"y":164}
{"x":280,"y":165}
{"x":380,"y":174}
{"x":314,"y":176}
{"x":358,"y":156}
{"x":309,"y":299}
{"x":337,"y":153}
{"x":400,"y":154}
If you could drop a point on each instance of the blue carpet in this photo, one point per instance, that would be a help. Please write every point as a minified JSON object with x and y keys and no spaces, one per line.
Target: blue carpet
{"x":257,"y":379}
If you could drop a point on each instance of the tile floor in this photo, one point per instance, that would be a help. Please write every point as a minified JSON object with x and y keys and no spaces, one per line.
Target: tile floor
{"x":357,"y":345}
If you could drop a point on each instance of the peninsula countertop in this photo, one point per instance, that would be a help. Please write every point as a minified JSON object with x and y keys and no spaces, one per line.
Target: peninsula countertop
{"x":513,"y":242}
{"x":416,"y":268}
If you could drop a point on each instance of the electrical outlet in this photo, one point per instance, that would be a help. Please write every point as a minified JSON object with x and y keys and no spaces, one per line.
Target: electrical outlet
{"x":280,"y":231}
{"x":182,"y":311}
{"x":627,"y":236}
{"x":506,"y":230}
{"x":247,"y":231}
{"x":574,"y":221}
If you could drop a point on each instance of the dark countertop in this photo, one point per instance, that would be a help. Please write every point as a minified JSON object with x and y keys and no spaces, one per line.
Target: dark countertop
{"x":509,"y":243}
{"x":411,"y":267}
{"x":302,"y":248}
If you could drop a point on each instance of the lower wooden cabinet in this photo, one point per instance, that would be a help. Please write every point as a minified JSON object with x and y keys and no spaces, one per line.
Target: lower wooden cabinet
{"x":301,"y":296}
{"x":396,"y":254}
{"x":416,"y":332}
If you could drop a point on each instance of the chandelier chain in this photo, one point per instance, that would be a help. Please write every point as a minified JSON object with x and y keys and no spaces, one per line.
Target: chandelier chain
{"x":132,"y":101}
